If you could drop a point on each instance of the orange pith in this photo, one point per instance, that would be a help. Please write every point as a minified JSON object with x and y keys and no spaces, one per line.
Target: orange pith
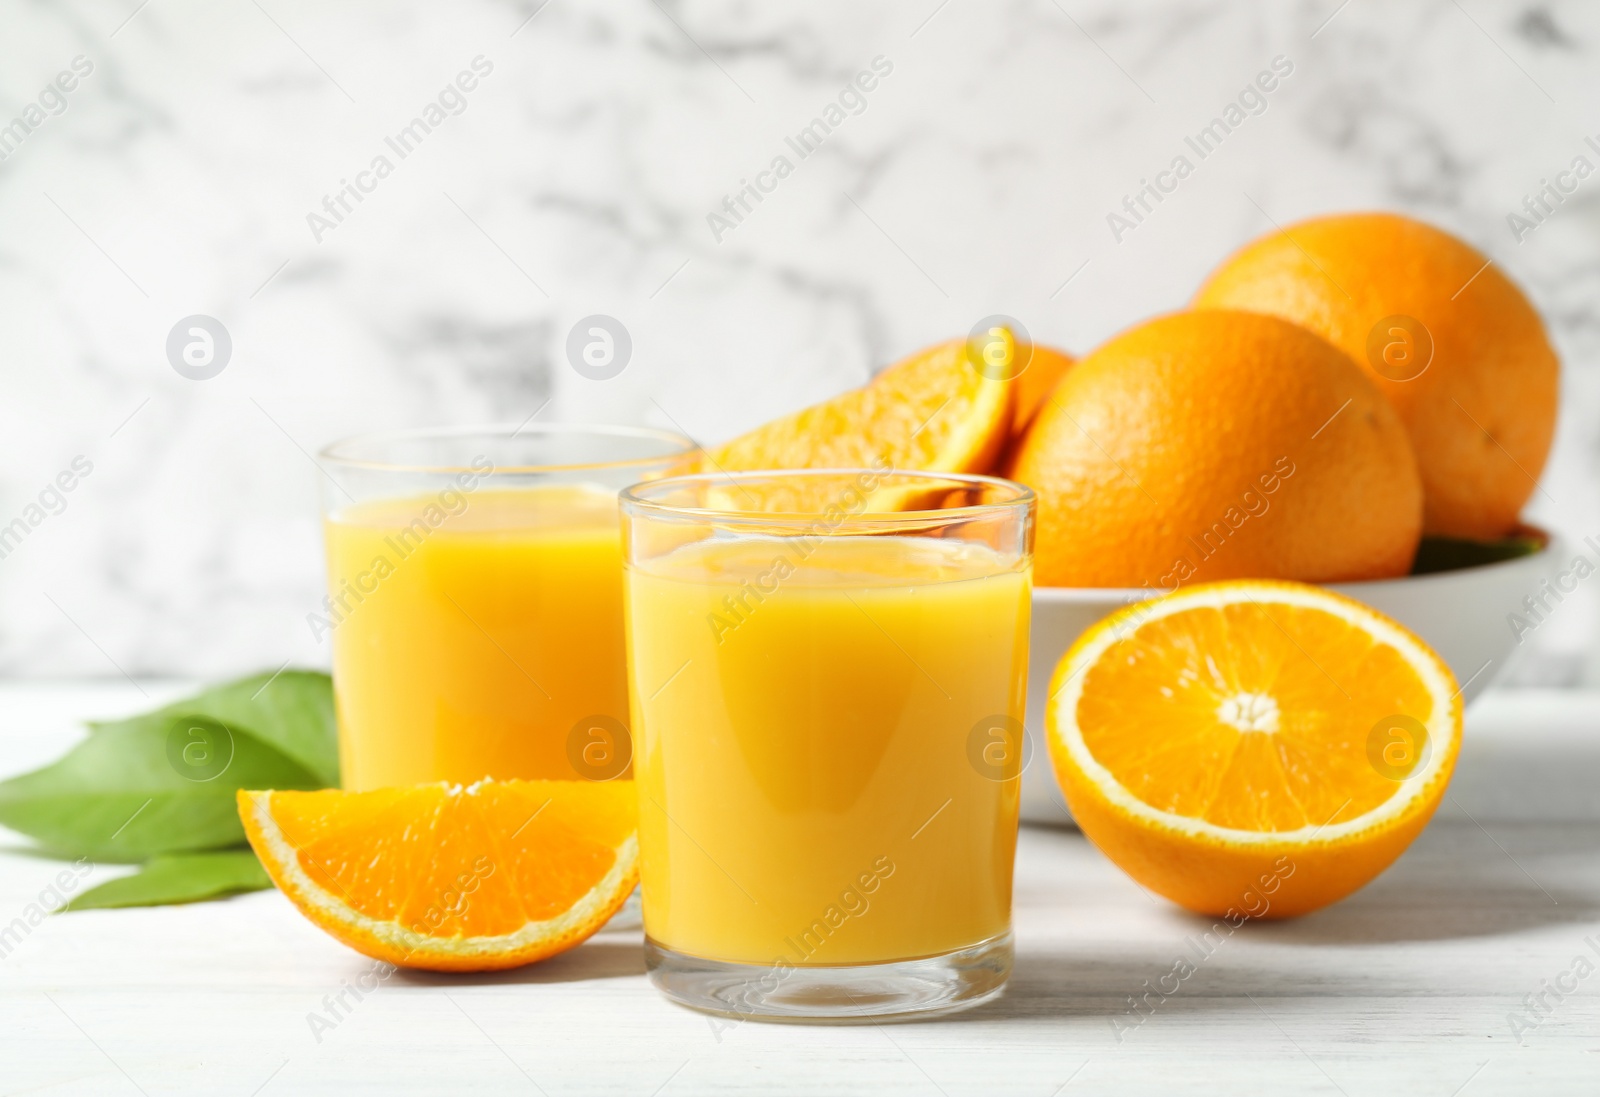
{"x":1202,"y":737}
{"x":493,"y":875}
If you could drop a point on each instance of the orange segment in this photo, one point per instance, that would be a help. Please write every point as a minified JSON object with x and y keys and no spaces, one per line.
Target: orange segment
{"x":492,"y":875}
{"x":1255,"y":689}
{"x":1038,"y":379}
{"x":934,"y":411}
{"x":1202,"y":736}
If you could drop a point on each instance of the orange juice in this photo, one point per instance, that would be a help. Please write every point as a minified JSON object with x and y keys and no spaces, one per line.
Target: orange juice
{"x":804,"y":717}
{"x":471,"y":643}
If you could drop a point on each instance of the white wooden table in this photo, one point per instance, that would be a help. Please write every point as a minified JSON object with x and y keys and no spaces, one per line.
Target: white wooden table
{"x":1404,"y":988}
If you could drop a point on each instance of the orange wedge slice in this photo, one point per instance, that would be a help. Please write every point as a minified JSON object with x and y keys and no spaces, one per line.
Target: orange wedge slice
{"x":1252,"y":748}
{"x":940,"y":410}
{"x":492,"y":875}
{"x":1044,"y":370}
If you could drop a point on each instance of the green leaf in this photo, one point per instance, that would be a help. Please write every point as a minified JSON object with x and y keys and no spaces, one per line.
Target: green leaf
{"x":1452,"y":553}
{"x":148,"y":787}
{"x":292,"y":711}
{"x":179,"y":878}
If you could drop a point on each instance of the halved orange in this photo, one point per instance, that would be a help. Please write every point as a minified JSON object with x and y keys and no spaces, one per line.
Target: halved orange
{"x":939,"y":410}
{"x":452,"y":878}
{"x":1252,"y":748}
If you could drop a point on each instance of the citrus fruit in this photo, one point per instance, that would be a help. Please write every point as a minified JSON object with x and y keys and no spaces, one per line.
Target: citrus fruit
{"x":1255,"y":748}
{"x":1218,"y":445}
{"x":452,"y":878}
{"x":1044,"y":370}
{"x":1450,"y":340}
{"x":937,"y":410}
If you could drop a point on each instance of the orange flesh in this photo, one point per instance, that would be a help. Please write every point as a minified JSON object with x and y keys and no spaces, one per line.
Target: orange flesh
{"x":932,"y":410}
{"x":481,"y":861}
{"x":1154,"y":712}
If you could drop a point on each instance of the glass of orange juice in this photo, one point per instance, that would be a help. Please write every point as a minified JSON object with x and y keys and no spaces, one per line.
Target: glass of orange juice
{"x":475,"y":600}
{"x":827,"y":673}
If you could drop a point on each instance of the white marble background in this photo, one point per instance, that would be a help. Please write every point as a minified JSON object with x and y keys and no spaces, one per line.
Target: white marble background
{"x":179,"y":176}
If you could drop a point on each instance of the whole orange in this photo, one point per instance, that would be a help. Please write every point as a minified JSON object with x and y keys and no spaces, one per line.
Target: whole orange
{"x":1452,"y":342}
{"x":1219,"y":445}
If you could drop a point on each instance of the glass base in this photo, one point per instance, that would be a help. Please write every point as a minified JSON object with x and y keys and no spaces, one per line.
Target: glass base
{"x":834,"y":995}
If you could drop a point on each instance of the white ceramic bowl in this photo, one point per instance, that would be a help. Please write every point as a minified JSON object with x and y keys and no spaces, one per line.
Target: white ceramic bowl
{"x":1463,"y":614}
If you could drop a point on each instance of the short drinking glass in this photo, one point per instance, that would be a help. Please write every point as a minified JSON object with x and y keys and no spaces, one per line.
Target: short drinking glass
{"x":475,"y":600}
{"x":827,"y":675}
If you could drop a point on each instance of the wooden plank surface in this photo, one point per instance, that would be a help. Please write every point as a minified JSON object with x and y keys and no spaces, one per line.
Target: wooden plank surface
{"x":1407,"y":987}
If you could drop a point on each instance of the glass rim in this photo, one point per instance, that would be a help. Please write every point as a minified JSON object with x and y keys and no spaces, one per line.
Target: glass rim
{"x":339,"y":453}
{"x":635,"y":499}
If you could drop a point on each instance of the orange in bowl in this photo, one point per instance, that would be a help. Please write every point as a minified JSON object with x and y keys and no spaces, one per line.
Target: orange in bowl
{"x":1449,"y":339}
{"x":1217,"y":445}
